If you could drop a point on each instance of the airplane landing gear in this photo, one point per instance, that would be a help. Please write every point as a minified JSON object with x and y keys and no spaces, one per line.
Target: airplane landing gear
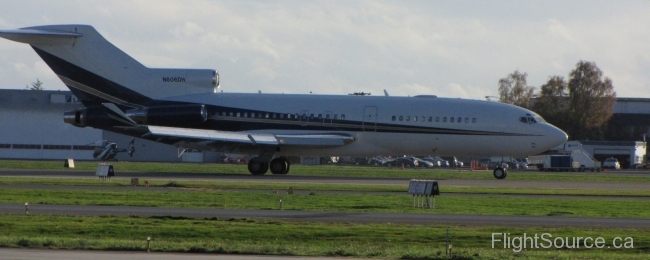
{"x":280,"y":166}
{"x":500,"y":173}
{"x":257,"y":167}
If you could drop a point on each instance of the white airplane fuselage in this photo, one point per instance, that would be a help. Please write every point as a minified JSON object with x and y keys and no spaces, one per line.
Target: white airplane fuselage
{"x":485,"y":129}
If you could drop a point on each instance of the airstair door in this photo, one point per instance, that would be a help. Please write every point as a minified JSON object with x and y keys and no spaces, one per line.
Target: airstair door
{"x":370,"y":119}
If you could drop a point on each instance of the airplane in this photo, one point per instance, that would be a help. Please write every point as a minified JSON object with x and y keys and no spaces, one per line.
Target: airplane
{"x":182,"y":107}
{"x":106,"y":151}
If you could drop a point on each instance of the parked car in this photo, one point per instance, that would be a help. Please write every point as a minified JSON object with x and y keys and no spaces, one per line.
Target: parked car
{"x":516,"y":164}
{"x":378,"y":160}
{"x":422,"y":163}
{"x":437,"y":161}
{"x":611,"y":163}
{"x":406,"y":161}
{"x":453,"y":162}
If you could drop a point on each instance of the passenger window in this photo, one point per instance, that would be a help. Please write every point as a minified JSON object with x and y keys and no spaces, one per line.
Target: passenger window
{"x":320,"y":116}
{"x":422,"y":118}
{"x":451,"y":120}
{"x":311,"y":117}
{"x":393,"y":118}
{"x":246,"y":114}
{"x":238,"y":114}
{"x":327,"y":116}
{"x":460,"y":120}
{"x":430,"y":118}
{"x":467,"y":120}
{"x":474,"y":120}
{"x":266,"y":115}
{"x":253,"y":115}
{"x":342,"y":117}
{"x":336,"y":116}
{"x":401,"y":118}
{"x":437,"y":119}
{"x":230,"y":114}
{"x":415,"y":118}
{"x":274,"y":115}
{"x":408,"y":118}
{"x":444,"y":119}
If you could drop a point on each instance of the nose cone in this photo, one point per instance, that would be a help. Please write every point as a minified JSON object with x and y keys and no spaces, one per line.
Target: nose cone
{"x":556,"y":136}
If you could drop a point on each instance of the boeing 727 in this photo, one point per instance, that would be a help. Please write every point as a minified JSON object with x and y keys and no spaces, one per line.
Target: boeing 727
{"x":182,"y":107}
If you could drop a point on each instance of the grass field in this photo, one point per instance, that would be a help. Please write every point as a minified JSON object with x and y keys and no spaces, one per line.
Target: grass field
{"x":330,"y":170}
{"x":483,"y":205}
{"x":244,"y":236}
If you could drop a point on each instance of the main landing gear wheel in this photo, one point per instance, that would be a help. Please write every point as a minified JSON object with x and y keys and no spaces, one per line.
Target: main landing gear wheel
{"x":280,"y":166}
{"x":256,"y":167}
{"x":500,"y":173}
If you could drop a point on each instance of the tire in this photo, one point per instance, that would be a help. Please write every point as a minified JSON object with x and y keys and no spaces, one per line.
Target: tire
{"x":256,"y":167}
{"x":500,"y":173}
{"x":279,"y":166}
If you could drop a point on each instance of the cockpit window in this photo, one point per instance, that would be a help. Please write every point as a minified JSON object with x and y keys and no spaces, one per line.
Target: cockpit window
{"x":528,"y":119}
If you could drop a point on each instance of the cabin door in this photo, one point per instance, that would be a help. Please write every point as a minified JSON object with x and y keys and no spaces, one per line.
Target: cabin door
{"x":370,"y":119}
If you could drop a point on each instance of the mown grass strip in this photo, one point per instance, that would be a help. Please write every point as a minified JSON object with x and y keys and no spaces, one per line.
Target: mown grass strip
{"x":335,"y":202}
{"x":282,"y":187}
{"x":241,"y":236}
{"x":330,"y":170}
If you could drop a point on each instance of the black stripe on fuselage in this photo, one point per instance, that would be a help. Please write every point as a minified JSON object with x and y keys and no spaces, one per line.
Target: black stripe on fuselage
{"x":87,"y":78}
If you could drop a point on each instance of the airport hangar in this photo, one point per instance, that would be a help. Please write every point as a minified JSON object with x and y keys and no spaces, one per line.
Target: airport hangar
{"x":32,"y":127}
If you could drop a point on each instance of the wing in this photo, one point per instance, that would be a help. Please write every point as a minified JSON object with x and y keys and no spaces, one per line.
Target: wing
{"x":241,"y":141}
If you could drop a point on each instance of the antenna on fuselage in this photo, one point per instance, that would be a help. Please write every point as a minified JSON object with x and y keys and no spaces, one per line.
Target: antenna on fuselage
{"x":386,"y":93}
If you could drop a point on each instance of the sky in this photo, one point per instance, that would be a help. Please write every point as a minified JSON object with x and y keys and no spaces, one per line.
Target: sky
{"x":445,"y":48}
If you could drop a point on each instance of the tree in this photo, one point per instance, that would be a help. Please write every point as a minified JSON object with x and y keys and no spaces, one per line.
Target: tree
{"x":591,"y":101}
{"x":552,"y":102}
{"x":38,"y":85}
{"x":513,"y":89}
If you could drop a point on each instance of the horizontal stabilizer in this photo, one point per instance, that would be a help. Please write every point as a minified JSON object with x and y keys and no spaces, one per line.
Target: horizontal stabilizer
{"x":35,"y":36}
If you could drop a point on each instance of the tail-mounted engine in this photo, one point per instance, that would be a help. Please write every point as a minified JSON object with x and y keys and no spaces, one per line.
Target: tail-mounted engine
{"x":181,"y":115}
{"x":178,"y":115}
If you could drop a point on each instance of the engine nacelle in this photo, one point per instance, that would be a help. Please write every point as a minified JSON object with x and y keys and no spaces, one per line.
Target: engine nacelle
{"x":96,"y":117}
{"x":180,"y":115}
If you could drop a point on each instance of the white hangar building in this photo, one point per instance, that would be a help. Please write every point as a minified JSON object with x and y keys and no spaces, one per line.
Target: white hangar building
{"x":32,"y":127}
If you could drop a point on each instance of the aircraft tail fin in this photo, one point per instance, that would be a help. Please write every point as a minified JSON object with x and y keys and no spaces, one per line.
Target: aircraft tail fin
{"x":98,"y":72}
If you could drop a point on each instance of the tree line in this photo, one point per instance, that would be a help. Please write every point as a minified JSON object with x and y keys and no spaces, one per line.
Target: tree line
{"x":580,"y":105}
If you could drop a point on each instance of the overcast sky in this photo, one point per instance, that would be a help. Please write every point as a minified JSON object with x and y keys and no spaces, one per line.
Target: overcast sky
{"x":444,"y":48}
